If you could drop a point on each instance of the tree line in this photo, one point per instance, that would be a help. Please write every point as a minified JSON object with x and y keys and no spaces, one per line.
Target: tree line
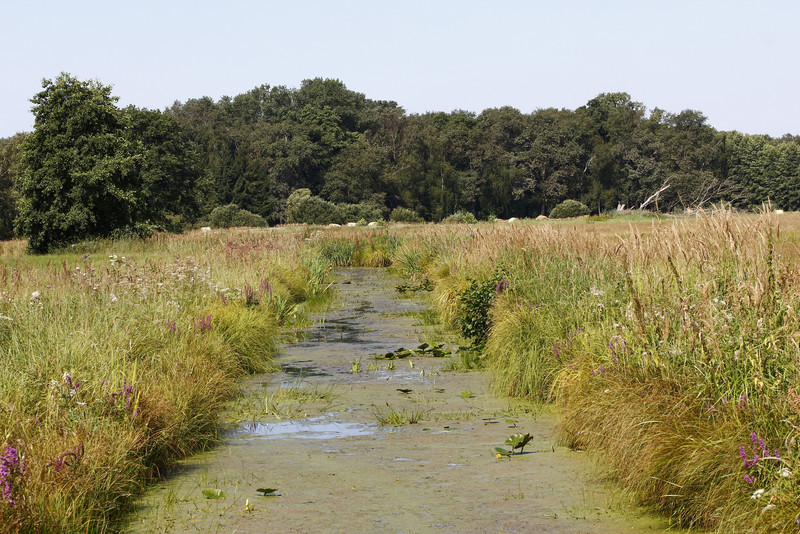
{"x":90,"y":168}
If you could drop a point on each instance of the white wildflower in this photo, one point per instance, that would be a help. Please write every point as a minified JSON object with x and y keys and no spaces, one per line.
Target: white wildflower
{"x":757,"y":493}
{"x":35,"y":296}
{"x":113,"y":298}
{"x":595,"y":292}
{"x":786,"y":473}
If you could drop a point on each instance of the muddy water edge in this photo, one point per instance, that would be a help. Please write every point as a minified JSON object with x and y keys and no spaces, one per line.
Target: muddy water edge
{"x":312,"y":434}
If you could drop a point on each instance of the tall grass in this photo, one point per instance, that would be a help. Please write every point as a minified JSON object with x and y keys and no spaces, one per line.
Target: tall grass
{"x":117,"y":360}
{"x":672,"y":348}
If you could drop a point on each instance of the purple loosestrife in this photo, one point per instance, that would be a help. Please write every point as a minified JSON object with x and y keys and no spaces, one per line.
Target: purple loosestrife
{"x":758,"y":452}
{"x":127,"y":393}
{"x":248,"y":294}
{"x":203,"y":323}
{"x":265,"y":288}
{"x":11,"y":467}
{"x":67,"y":458}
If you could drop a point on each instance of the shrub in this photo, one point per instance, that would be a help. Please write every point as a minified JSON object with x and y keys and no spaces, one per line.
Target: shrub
{"x":473,"y":307}
{"x":569,"y":208}
{"x":463,"y":217}
{"x":355,"y":212}
{"x":232,"y":216}
{"x":303,"y":207}
{"x":405,"y":215}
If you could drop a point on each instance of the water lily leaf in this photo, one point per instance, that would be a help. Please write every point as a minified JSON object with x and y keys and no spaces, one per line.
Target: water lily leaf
{"x":502,"y":451}
{"x":423,"y":346}
{"x":265,"y":491}
{"x":518,"y":441}
{"x":404,"y":390}
{"x":213,"y":493}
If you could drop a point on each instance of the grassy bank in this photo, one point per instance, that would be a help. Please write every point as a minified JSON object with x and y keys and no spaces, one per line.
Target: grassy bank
{"x":670,"y":346}
{"x":117,"y":358}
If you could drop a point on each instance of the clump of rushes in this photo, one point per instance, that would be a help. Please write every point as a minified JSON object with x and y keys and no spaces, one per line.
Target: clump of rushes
{"x":118,"y":359}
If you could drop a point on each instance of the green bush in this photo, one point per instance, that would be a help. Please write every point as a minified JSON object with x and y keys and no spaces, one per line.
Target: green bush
{"x":569,"y":208}
{"x":231,"y":216}
{"x":474,"y":302}
{"x":463,"y":217}
{"x":303,"y":207}
{"x":405,"y":215}
{"x":354,"y":212}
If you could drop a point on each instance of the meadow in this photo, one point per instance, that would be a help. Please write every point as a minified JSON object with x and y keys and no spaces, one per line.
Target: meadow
{"x":668,"y":346}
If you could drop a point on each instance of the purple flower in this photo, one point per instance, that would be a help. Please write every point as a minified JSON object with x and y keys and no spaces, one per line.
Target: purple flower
{"x":10,"y":467}
{"x":204,"y":323}
{"x":748,"y":479}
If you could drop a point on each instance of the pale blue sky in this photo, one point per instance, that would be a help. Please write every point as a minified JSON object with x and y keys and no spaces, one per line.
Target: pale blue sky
{"x":735,"y":61}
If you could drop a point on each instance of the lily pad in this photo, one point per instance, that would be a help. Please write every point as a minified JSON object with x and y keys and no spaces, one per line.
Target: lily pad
{"x":266,"y":491}
{"x":503,"y":451}
{"x":213,"y":493}
{"x":518,"y":441}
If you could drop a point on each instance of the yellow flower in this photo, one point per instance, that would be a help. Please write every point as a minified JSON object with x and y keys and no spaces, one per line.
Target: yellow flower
{"x":499,"y":456}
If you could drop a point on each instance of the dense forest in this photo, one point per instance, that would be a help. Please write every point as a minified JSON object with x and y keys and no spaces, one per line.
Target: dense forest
{"x":346,"y":156}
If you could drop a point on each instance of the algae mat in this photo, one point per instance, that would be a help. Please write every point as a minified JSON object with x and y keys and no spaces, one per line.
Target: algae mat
{"x":313,"y":435}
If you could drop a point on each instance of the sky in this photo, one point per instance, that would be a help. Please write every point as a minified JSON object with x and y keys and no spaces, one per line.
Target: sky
{"x":735,"y":61}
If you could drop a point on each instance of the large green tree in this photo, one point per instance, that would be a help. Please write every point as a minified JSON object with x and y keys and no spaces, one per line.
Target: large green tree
{"x":81,"y":173}
{"x":169,"y":184}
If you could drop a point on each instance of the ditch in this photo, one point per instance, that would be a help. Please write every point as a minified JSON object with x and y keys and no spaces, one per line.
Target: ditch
{"x":313,"y":435}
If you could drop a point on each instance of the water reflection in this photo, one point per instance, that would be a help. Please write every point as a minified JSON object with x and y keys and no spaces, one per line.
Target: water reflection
{"x":323,"y":427}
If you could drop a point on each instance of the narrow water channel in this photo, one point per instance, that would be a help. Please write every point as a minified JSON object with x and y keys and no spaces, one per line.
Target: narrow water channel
{"x":312,"y":432}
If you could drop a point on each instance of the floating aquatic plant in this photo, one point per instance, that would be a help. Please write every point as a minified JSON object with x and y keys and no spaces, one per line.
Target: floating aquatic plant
{"x":518,"y":441}
{"x":436,"y":350}
{"x":213,"y":493}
